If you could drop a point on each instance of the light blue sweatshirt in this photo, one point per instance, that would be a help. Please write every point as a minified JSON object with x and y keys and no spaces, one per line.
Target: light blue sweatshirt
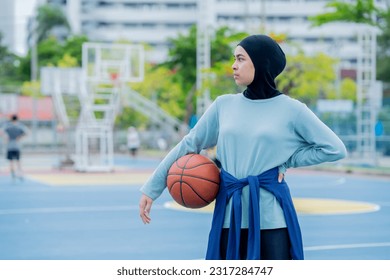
{"x":253,"y":136}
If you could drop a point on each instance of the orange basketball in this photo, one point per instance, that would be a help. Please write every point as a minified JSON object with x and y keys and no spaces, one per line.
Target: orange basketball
{"x":193,"y":181}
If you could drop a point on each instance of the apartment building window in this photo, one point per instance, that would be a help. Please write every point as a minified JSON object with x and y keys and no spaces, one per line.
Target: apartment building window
{"x":149,"y":25}
{"x":87,"y":6}
{"x":89,"y":25}
{"x":231,"y":0}
{"x":132,"y":5}
{"x":57,"y":2}
{"x":176,"y":6}
{"x":105,"y":4}
{"x":173,"y":5}
{"x":284,"y":18}
{"x":149,"y":6}
{"x":189,"y":6}
{"x":102,"y":24}
{"x":155,"y":44}
{"x":130,"y":25}
{"x":310,"y":39}
{"x":178,"y":25}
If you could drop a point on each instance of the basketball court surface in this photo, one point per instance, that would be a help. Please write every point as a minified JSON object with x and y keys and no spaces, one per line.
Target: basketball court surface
{"x":63,"y":215}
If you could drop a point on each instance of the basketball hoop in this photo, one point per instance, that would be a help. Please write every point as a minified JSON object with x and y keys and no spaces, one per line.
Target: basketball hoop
{"x":114,"y":78}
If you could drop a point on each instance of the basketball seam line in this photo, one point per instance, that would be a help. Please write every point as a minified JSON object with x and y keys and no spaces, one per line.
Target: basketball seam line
{"x":185,"y":164}
{"x":194,"y":192}
{"x":181,"y":177}
{"x":192,"y":176}
{"x":182,"y":167}
{"x":203,"y":163}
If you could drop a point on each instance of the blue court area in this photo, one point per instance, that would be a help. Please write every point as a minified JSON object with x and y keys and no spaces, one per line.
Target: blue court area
{"x":65,"y":215}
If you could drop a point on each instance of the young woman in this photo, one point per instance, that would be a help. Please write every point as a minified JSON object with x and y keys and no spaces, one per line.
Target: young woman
{"x":259,"y":134}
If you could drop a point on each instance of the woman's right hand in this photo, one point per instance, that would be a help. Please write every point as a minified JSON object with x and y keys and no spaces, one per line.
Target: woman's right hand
{"x":145,"y":204}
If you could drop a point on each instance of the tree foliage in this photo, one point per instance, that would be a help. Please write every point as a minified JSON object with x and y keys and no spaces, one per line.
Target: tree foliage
{"x":222,"y":81}
{"x":171,"y":84}
{"x":383,"y":54}
{"x":308,"y":78}
{"x":9,"y":62}
{"x":52,"y":52}
{"x":362,"y":11}
{"x":159,"y":86}
{"x":182,"y":60}
{"x":48,"y":18}
{"x":365,"y":12}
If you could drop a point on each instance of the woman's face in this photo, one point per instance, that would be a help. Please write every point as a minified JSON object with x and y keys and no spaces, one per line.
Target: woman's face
{"x":243,"y":68}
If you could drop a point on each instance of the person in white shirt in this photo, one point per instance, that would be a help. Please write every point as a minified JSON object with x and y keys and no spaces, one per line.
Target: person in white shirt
{"x":133,"y":141}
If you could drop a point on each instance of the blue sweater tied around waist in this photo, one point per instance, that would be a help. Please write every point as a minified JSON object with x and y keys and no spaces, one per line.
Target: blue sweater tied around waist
{"x":231,"y":187}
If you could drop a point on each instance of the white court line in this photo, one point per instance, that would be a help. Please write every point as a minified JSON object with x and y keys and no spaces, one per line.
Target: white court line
{"x":347,"y":246}
{"x":334,"y":182}
{"x":340,"y":181}
{"x":71,"y":209}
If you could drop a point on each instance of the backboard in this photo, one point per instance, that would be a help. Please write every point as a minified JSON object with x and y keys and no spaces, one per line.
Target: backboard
{"x":104,"y":62}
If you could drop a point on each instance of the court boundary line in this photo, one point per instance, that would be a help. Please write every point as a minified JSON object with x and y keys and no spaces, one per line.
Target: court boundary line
{"x":346,"y":246}
{"x":50,"y":210}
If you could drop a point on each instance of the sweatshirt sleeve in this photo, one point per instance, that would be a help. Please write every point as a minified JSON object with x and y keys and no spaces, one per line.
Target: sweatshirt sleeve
{"x":318,"y":143}
{"x":203,"y":136}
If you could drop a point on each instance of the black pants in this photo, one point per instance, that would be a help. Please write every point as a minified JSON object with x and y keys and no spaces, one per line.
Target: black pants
{"x":275,"y":244}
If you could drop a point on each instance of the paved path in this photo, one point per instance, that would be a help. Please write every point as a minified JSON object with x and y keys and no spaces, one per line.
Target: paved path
{"x":56,"y":214}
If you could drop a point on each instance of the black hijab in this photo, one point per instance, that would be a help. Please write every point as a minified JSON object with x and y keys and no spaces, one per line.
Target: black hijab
{"x":269,"y":61}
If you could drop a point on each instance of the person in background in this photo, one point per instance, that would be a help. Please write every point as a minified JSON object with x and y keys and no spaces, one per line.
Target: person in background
{"x":133,"y":141}
{"x":14,"y":131}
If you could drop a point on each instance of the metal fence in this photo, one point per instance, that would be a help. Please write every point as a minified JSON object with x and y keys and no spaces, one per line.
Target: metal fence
{"x":345,"y":126}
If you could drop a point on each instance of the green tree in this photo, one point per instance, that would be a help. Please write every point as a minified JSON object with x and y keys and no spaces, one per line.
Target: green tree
{"x":222,"y":49}
{"x":73,"y":47}
{"x":308,"y":78}
{"x":159,"y":85}
{"x":182,"y":61}
{"x":171,"y":84}
{"x":52,"y":52}
{"x":49,"y":52}
{"x":222,"y":81}
{"x":50,"y":17}
{"x":383,"y":53}
{"x":362,"y":11}
{"x":365,"y":12}
{"x":67,"y":61}
{"x":348,"y":89}
{"x":9,"y":66}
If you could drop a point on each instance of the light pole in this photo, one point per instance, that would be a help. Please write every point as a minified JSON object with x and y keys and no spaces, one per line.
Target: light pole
{"x":34,"y":78}
{"x":262,"y":16}
{"x":203,"y":45}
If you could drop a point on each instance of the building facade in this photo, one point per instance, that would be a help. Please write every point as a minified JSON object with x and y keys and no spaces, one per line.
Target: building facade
{"x":153,"y":22}
{"x":7,"y":24}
